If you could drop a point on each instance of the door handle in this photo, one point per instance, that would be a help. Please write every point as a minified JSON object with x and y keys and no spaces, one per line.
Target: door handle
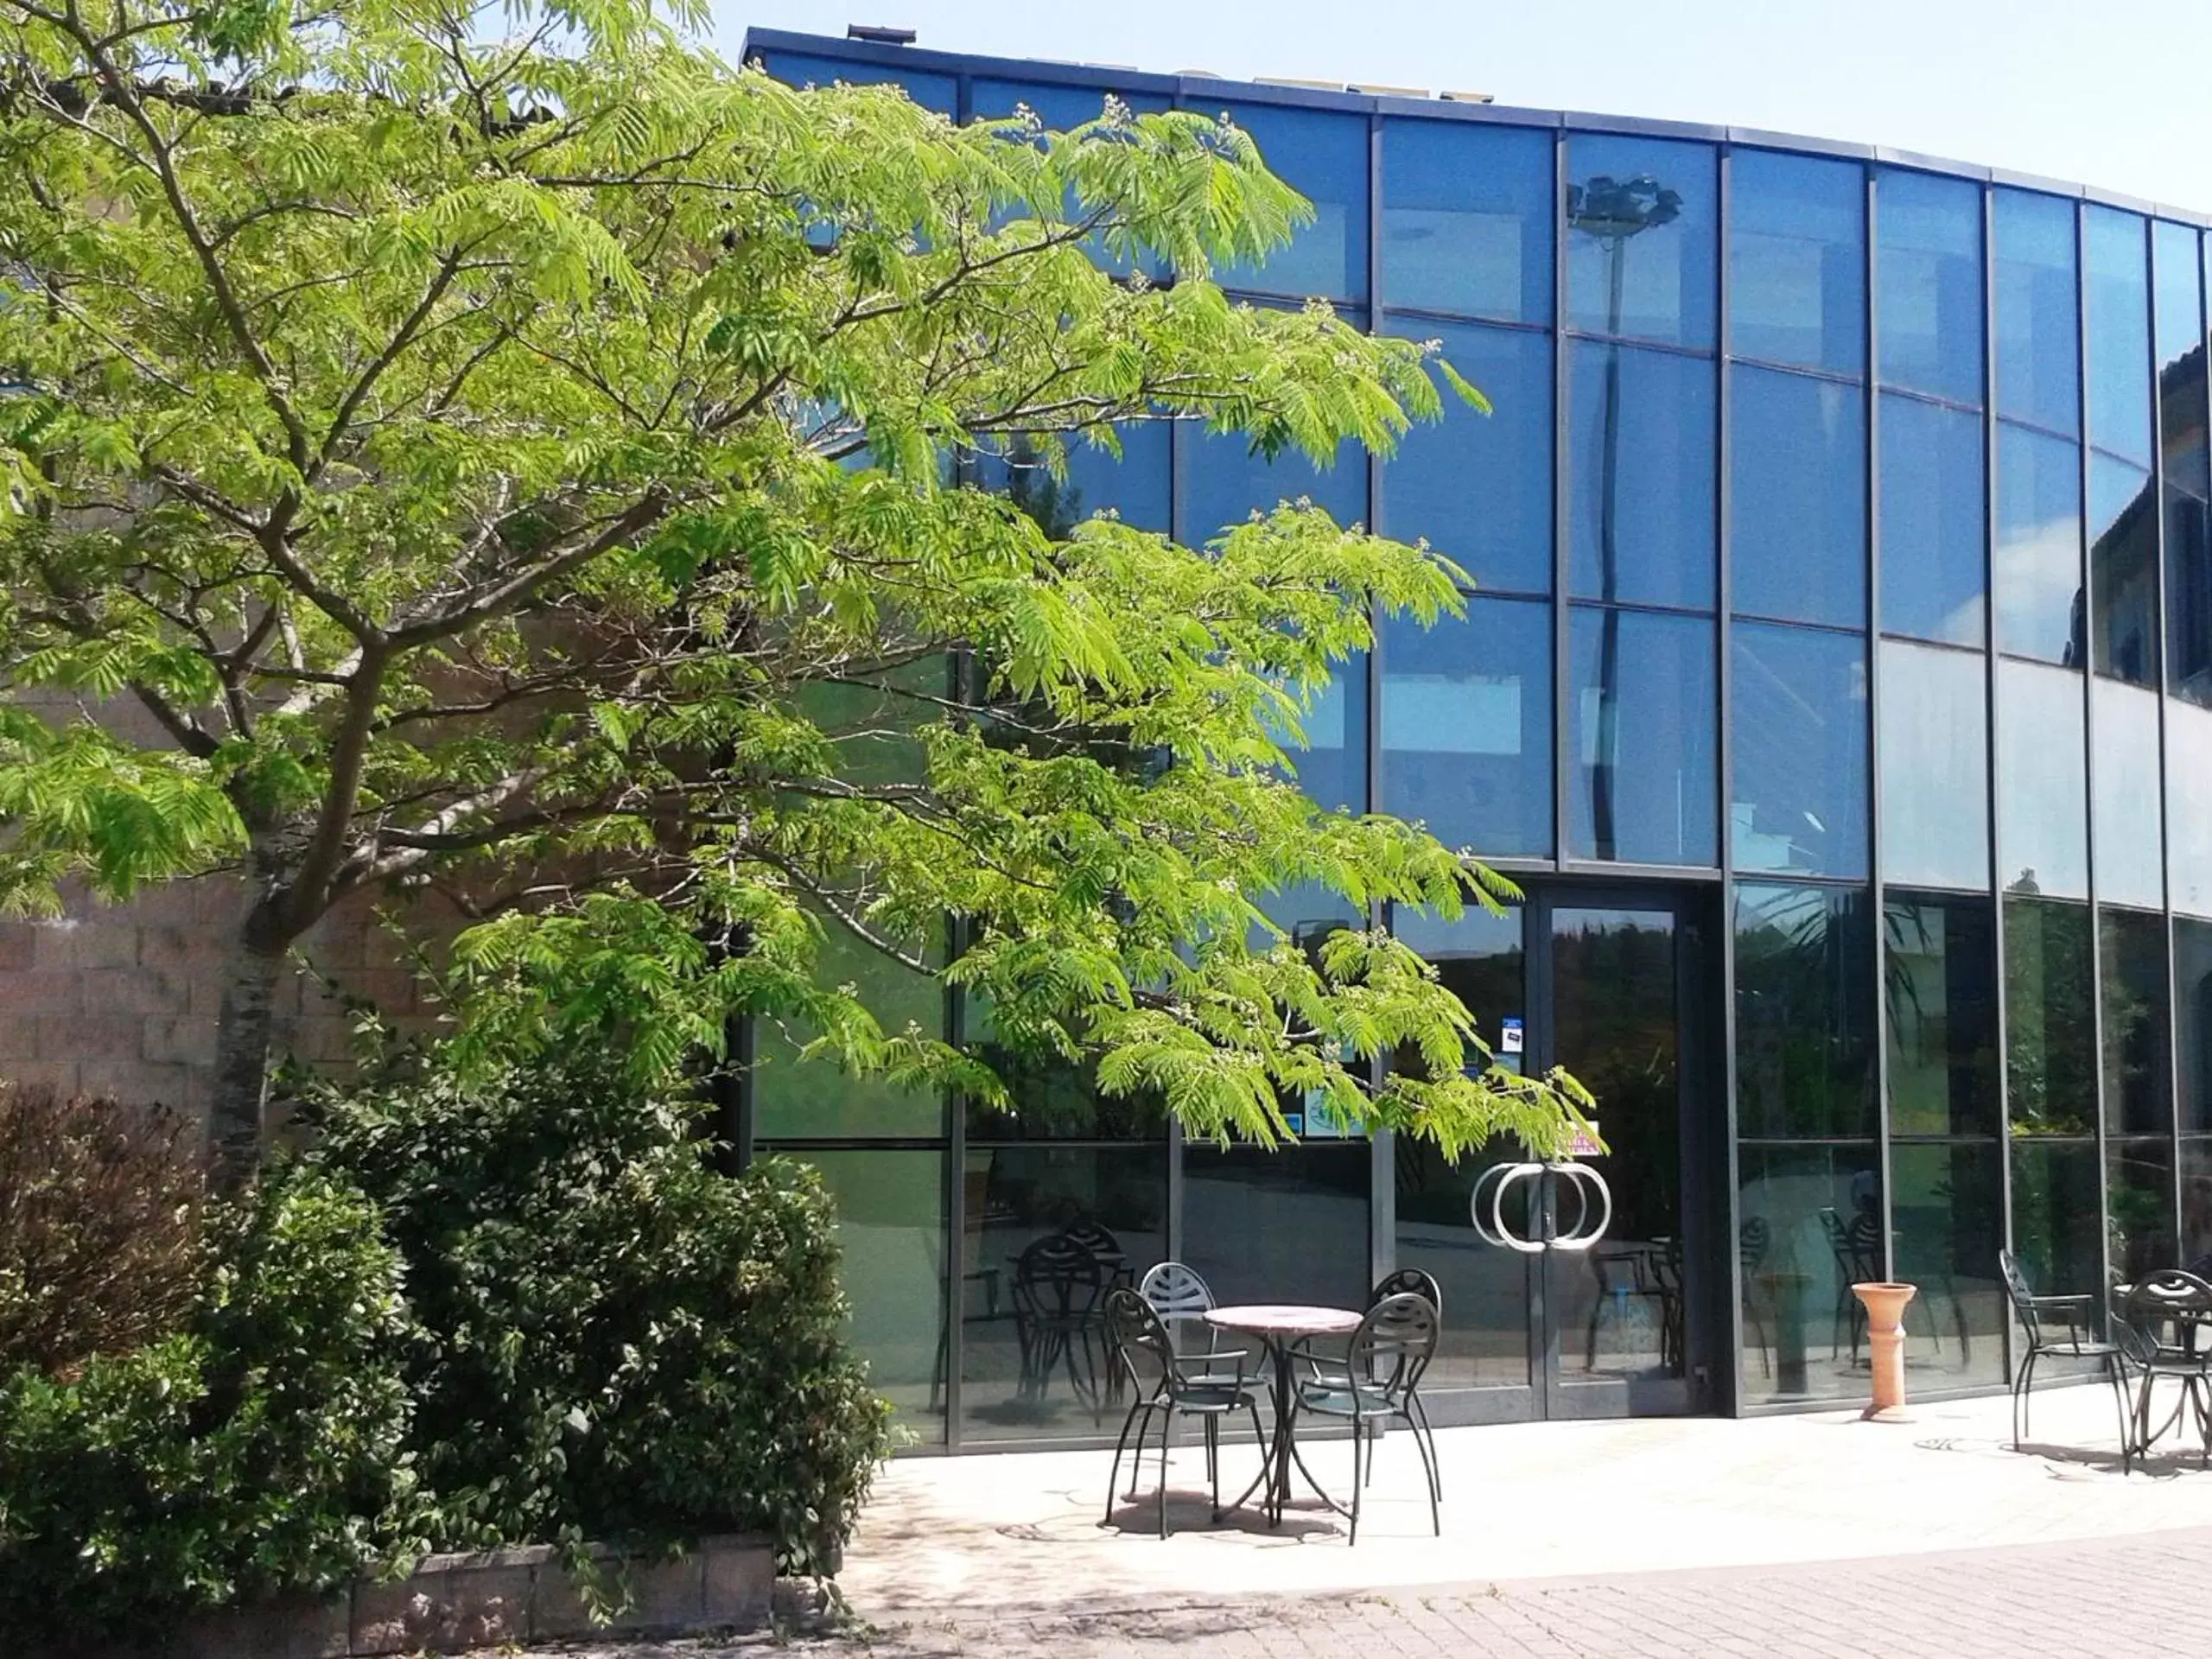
{"x":1486,"y":1207}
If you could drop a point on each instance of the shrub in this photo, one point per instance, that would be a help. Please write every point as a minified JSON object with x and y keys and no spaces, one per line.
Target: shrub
{"x":259,"y":1449}
{"x":99,"y":1228}
{"x":625,"y":1343}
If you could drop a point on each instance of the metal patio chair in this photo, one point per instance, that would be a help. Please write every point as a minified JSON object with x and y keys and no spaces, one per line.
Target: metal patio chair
{"x":1379,"y":1381}
{"x":2038,"y":1317}
{"x":1161,"y":1388}
{"x":1057,"y":1285}
{"x":2162,"y":1331}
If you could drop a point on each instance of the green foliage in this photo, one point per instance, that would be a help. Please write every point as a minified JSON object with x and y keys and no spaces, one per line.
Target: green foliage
{"x":260,"y":1449}
{"x":101,"y":1248}
{"x":476,"y":438}
{"x":622,"y":1343}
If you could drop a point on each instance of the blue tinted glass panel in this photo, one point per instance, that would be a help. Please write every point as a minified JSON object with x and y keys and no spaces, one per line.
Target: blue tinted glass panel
{"x":1467,"y":218}
{"x":1934,"y":750}
{"x":2119,"y":345}
{"x":2038,"y":554}
{"x":1927,"y":283}
{"x":938,"y":93}
{"x":1797,"y":261}
{"x":1798,"y":708}
{"x":1332,"y":768}
{"x":2176,"y":264}
{"x":1324,"y":157}
{"x":1467,"y":727}
{"x":1640,"y":506}
{"x":2188,"y":808}
{"x":2124,"y":569}
{"x":1133,"y":488}
{"x":1225,"y":483}
{"x":1641,"y":721}
{"x":2038,"y":367}
{"x":1479,"y":487}
{"x":1640,"y":239}
{"x":2189,"y":597}
{"x":1932,"y":517}
{"x":2043,"y":782}
{"x":2124,"y":794}
{"x":1804,"y":1017}
{"x":1797,"y":498}
{"x":1060,"y":108}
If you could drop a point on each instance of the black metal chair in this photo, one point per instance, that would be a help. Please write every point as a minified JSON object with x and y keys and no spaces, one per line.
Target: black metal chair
{"x":1160,"y":1387}
{"x":1753,"y":1240}
{"x":1408,"y":1281}
{"x":2162,"y":1331}
{"x":1328,"y":1367}
{"x":2035,"y":1314}
{"x":1056,"y":1287}
{"x":1378,"y":1381}
{"x":1096,"y":1237}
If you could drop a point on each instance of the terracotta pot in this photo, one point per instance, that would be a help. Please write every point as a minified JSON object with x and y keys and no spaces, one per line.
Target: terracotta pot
{"x":1885,"y":1305}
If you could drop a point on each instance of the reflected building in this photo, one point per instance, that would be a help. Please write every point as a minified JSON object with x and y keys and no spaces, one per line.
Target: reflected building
{"x":1838,"y":685}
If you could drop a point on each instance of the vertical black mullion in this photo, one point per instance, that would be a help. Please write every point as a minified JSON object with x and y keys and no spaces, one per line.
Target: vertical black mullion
{"x":1381,"y":1163}
{"x":2158,"y":685}
{"x":2085,"y":363}
{"x":1725,"y":770}
{"x":960,"y":671}
{"x":1868,"y":228}
{"x":1562,"y":612}
{"x":1992,"y":731}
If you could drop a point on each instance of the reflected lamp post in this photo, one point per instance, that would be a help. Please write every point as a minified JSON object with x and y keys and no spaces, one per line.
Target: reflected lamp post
{"x":1611,"y":211}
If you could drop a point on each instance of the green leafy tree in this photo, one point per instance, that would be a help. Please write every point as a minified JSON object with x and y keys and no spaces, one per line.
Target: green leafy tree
{"x":515,"y":450}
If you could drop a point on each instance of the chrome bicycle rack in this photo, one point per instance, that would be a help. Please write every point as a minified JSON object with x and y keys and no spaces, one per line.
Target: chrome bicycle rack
{"x":1486,"y":1207}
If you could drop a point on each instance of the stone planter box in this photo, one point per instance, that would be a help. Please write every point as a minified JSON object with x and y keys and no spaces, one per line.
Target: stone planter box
{"x":450,"y":1603}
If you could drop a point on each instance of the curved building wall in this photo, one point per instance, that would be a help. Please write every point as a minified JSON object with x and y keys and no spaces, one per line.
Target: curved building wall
{"x":1840,"y":557}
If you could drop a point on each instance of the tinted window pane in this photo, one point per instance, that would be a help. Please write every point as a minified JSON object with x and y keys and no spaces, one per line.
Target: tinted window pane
{"x":1640,"y":239}
{"x":1467,"y":218}
{"x":2042,"y":782}
{"x":1941,"y":990}
{"x":938,"y":93}
{"x":1467,"y":727}
{"x":1480,"y":488}
{"x":2119,"y":343}
{"x":2189,"y":598}
{"x":2180,"y":347}
{"x":1324,"y":157}
{"x":2139,"y":1092}
{"x":1927,"y":283}
{"x":1932,"y":521}
{"x":2050,"y":1052}
{"x":2140,"y":1194}
{"x":1288,"y":1225}
{"x":1332,"y":765}
{"x":1800,"y":720}
{"x":1797,"y":498}
{"x":2189,"y":809}
{"x":2039,"y":369}
{"x":1935,"y":760}
{"x":2057,"y":1216}
{"x":2124,"y":772}
{"x":1795,"y":1204}
{"x":1804,"y":1013}
{"x":2123,"y":568}
{"x":2197,"y":1205}
{"x":1643,"y":717}
{"x":2193,"y":1022}
{"x":2038,"y":556}
{"x":794,"y":1098}
{"x":1133,"y":488}
{"x":1640,"y":508}
{"x":1224,"y":484}
{"x":1947,"y":1212}
{"x":1797,"y":261}
{"x":1060,"y":108}
{"x":891,"y":1242}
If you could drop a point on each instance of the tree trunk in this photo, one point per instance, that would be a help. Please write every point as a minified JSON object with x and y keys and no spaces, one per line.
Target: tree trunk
{"x":242,"y":1041}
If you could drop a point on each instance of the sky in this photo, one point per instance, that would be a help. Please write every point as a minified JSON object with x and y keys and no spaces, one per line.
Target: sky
{"x":2111,"y":93}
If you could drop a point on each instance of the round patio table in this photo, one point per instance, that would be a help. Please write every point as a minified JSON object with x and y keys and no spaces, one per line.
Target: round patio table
{"x":1280,"y":1325}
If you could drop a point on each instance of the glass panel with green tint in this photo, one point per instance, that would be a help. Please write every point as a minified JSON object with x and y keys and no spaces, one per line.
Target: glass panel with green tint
{"x":2138,"y":1031}
{"x":1946,"y":1212}
{"x":1809,"y":1227}
{"x":1804,"y":1013}
{"x":2057,"y":1214}
{"x":2193,"y":1022}
{"x":806,"y":1099}
{"x":891,"y":1237}
{"x":2196,"y":1204}
{"x":1939,"y":988}
{"x":1290,"y":1225}
{"x":2139,"y":1193}
{"x":2050,"y":1053}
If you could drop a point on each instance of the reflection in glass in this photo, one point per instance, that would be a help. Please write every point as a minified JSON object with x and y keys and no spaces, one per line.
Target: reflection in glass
{"x":2193,"y":1022}
{"x":2124,"y":569}
{"x":2197,"y":1205}
{"x":1797,"y":498}
{"x":1927,"y":283}
{"x":1290,"y":1225}
{"x":2038,"y":365}
{"x":2189,"y":809}
{"x":1938,"y":989}
{"x":795,"y":1098}
{"x":1810,"y":1227}
{"x":1642,"y":716}
{"x":1225,"y":483}
{"x":1331,"y":763}
{"x":1477,"y":487}
{"x":1134,"y":488}
{"x":2057,"y":1214}
{"x":1798,"y":703}
{"x":1467,"y":726}
{"x":2124,"y":750}
{"x":2038,"y":554}
{"x":1934,"y":752}
{"x":2050,"y":1009}
{"x":2042,"y":834}
{"x":1467,"y":220}
{"x":1947,"y":1210}
{"x":1012,"y":1198}
{"x":891,"y":1238}
{"x":1640,"y":239}
{"x":2189,"y":598}
{"x":1052,"y":1099}
{"x":2178,"y":315}
{"x":2137,"y":1036}
{"x":1640,"y":498}
{"x":1804,"y":1020}
{"x":2119,"y":333}
{"x":1797,"y":261}
{"x":1323,"y":156}
{"x":2139,"y":1198}
{"x":1932,"y":518}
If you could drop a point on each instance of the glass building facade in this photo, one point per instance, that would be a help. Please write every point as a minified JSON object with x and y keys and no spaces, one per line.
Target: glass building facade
{"x":1837,"y":684}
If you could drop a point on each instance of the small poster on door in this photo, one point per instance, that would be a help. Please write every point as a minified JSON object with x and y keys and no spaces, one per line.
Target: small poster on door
{"x":1584,"y":1142}
{"x":1509,"y":1035}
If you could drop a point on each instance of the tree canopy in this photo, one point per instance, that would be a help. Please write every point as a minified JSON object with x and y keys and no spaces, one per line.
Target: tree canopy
{"x":514,"y":450}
